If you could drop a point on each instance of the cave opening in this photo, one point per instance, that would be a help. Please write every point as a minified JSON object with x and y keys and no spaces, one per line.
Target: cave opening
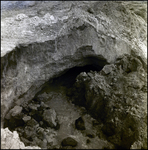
{"x":68,"y":77}
{"x":41,"y":113}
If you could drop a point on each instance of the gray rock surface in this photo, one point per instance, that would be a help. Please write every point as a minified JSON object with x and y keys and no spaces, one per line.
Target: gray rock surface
{"x":116,"y":97}
{"x":42,"y":40}
{"x":39,"y":46}
{"x":11,"y":140}
{"x":50,"y":117}
{"x":69,"y":142}
{"x":14,"y":112}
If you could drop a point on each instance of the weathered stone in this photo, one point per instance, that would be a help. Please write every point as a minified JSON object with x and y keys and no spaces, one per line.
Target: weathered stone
{"x":69,"y":142}
{"x":51,"y":43}
{"x":79,"y":124}
{"x":50,"y":117}
{"x":10,"y":140}
{"x":59,"y":36}
{"x":108,"y":68}
{"x":14,"y":112}
{"x":26,"y":118}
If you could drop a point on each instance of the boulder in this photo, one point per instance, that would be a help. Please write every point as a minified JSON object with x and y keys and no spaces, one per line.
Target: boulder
{"x":11,"y":140}
{"x":69,"y":142}
{"x":50,"y":117}
{"x":26,"y":118}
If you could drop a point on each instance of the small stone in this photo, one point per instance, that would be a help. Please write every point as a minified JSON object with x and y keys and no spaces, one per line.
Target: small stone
{"x":115,"y":79}
{"x":26,"y":118}
{"x":33,"y":107}
{"x":107,"y":69}
{"x":111,"y":83}
{"x":44,"y":105}
{"x":69,"y":142}
{"x":16,"y":110}
{"x":79,"y":124}
{"x":50,"y":117}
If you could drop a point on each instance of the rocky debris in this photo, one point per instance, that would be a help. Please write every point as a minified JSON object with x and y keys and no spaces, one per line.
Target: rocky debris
{"x":35,"y":117}
{"x":69,"y":142}
{"x":14,"y":117}
{"x":79,"y":124}
{"x":115,"y":97}
{"x":11,"y":140}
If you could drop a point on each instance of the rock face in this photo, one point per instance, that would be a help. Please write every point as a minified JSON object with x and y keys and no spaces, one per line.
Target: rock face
{"x":11,"y":140}
{"x":64,"y":35}
{"x":46,"y":39}
{"x":117,"y":96}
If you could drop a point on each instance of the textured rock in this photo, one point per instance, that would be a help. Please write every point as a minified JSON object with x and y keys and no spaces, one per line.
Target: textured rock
{"x":62,"y":35}
{"x":26,"y":118}
{"x":14,"y":112}
{"x":50,"y":117}
{"x":69,"y":142}
{"x":10,"y":140}
{"x":116,"y":97}
{"x":44,"y":41}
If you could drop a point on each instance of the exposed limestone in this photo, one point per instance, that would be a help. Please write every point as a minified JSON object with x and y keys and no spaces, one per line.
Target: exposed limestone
{"x":51,"y":43}
{"x":42,"y":41}
{"x":11,"y":140}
